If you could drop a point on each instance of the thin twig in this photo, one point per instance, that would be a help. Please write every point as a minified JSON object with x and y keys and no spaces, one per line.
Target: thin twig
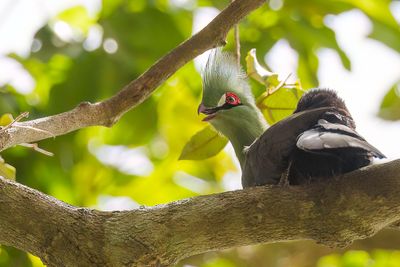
{"x":17,"y":119}
{"x":237,"y":42}
{"x":37,"y":149}
{"x":280,"y":85}
{"x":269,"y":92}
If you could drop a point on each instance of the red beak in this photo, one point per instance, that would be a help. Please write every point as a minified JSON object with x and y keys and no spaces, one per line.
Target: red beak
{"x":210,"y":112}
{"x":201,"y":109}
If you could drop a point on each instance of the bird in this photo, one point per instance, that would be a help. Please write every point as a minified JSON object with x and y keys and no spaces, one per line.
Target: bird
{"x":317,"y":142}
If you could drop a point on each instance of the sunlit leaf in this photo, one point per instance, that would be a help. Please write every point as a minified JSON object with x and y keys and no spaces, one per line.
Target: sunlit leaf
{"x":307,"y":69}
{"x":36,"y":262}
{"x":306,"y":38}
{"x":390,"y":36}
{"x":359,"y":258}
{"x":385,"y":27}
{"x":46,"y":75}
{"x":390,"y":105}
{"x":6,"y":119}
{"x":204,"y":144}
{"x":279,"y":100}
{"x":355,"y":258}
{"x":377,"y":10}
{"x":280,"y":104}
{"x":219,"y":262}
{"x":109,"y":6}
{"x":78,"y":18}
{"x":332,"y":260}
{"x":6,"y":170}
{"x":258,"y":72}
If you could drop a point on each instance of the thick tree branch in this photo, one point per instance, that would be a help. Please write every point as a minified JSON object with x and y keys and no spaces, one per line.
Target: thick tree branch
{"x":106,"y":113}
{"x":335,"y":213}
{"x":353,"y":206}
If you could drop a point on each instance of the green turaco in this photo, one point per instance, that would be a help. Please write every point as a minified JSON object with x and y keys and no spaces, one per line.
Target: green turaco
{"x":233,"y":110}
{"x":317,"y":141}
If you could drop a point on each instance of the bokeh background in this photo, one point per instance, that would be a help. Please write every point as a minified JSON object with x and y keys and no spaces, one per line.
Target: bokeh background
{"x":55,"y":54}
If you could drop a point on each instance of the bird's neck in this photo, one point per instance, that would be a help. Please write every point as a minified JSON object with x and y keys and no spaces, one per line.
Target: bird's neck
{"x":243,"y":130}
{"x":245,"y":136}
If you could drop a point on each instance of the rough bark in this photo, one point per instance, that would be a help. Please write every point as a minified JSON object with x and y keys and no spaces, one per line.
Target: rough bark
{"x":107,"y":112}
{"x":335,"y":213}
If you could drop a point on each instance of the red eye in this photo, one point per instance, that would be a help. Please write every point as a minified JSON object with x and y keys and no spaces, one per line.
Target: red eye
{"x":232,"y":99}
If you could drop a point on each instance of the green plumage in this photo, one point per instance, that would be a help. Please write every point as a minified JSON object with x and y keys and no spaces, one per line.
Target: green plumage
{"x":241,"y":124}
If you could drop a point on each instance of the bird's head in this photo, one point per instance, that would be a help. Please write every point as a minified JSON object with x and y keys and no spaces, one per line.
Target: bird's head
{"x":227,"y":97}
{"x":319,"y":98}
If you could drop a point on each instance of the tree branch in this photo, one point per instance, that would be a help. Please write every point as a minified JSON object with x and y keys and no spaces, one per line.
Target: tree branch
{"x":108,"y":112}
{"x":335,"y":213}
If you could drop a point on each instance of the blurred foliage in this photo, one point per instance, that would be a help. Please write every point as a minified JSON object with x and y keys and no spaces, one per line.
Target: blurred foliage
{"x":355,"y":258}
{"x":80,"y":56}
{"x":390,"y":106}
{"x":308,"y":254}
{"x":77,"y":18}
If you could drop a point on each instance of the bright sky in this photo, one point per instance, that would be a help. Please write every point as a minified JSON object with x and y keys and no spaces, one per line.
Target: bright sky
{"x":374,"y":67}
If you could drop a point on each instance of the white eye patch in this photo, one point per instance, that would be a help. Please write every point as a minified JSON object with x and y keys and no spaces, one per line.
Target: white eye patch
{"x":222,"y":100}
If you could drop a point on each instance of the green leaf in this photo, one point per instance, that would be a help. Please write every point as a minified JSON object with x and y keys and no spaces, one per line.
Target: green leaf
{"x":46,"y":75}
{"x":332,"y":260}
{"x":279,"y":99}
{"x":258,"y":72}
{"x":6,"y":170}
{"x":386,"y":34}
{"x":109,"y":6}
{"x":280,"y":104}
{"x":390,"y":106}
{"x":203,"y":145}
{"x":306,"y":38}
{"x":355,"y":258}
{"x":77,"y":17}
{"x":6,"y":119}
{"x":219,"y":262}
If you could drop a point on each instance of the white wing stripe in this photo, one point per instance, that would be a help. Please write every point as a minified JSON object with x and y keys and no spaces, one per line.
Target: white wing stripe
{"x":335,"y":126}
{"x":315,"y":140}
{"x":319,"y":139}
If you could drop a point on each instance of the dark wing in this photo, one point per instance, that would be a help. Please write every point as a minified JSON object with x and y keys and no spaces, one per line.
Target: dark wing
{"x":266,"y":158}
{"x":326,"y":135}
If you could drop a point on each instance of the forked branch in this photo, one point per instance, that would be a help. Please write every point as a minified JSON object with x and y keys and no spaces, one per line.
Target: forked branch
{"x":107,"y":112}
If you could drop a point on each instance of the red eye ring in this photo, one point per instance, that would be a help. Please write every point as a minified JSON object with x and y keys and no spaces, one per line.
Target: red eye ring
{"x":232,"y":99}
